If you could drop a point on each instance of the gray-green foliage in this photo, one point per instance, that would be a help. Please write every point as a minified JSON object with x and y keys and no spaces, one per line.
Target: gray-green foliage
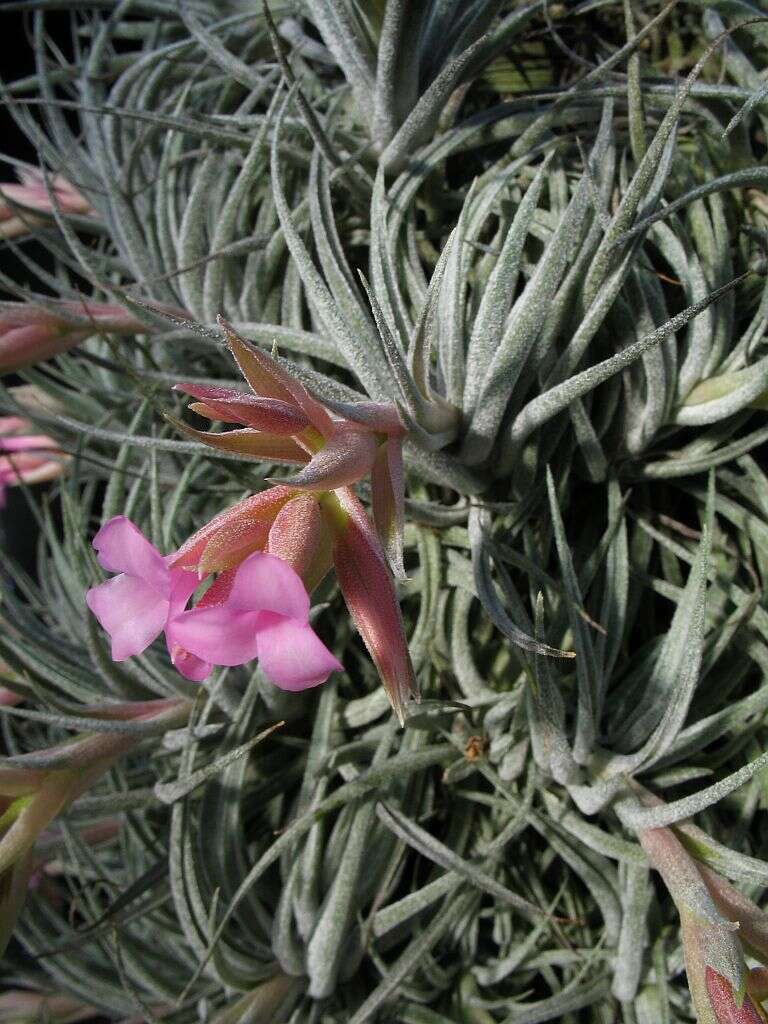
{"x":564,"y":292}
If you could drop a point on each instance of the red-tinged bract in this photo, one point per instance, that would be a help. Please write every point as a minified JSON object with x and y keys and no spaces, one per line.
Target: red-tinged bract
{"x":313,"y":519}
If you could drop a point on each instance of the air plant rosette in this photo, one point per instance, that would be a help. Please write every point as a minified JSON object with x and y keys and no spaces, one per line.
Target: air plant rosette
{"x":386,"y":386}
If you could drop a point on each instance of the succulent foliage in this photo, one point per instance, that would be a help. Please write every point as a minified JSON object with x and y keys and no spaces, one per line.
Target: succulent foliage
{"x":540,"y":230}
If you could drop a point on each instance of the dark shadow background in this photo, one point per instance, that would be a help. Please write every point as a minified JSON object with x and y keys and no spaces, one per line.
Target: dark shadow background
{"x":18,"y":533}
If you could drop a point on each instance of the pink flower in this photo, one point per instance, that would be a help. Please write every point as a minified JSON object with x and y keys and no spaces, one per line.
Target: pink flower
{"x":313,"y":520}
{"x":17,"y":216}
{"x":313,"y":532}
{"x":27,"y":458}
{"x":260,"y":610}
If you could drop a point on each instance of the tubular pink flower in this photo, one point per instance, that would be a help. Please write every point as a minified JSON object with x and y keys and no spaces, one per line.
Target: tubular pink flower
{"x":312,"y":519}
{"x":292,"y":525}
{"x":261,"y":610}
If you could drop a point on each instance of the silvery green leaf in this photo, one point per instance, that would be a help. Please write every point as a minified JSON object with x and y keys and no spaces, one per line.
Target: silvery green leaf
{"x":527,"y":317}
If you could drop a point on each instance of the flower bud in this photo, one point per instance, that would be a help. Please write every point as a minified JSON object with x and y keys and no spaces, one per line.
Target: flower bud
{"x":30,"y":333}
{"x":26,"y":458}
{"x":18,"y":203}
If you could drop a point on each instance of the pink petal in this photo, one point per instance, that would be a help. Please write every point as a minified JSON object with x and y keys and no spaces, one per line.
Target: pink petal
{"x":131,"y":611}
{"x":291,"y":655}
{"x":27,"y":442}
{"x":183,"y":586}
{"x":188,"y":665}
{"x":219,"y":635}
{"x":266,"y":583}
{"x":122,"y":547}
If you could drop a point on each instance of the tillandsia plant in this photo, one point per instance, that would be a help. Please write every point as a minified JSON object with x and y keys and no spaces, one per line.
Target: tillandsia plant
{"x":403,"y":367}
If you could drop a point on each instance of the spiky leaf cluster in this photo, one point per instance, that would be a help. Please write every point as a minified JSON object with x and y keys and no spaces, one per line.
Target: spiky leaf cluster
{"x":527,"y":227}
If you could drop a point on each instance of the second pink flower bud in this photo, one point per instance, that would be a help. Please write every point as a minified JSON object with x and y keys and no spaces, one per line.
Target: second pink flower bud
{"x":30,"y":333}
{"x":25,"y":457}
